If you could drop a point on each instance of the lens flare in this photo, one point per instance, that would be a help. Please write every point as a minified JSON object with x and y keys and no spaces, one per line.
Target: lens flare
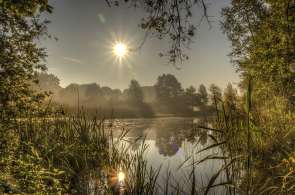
{"x":121,"y":176}
{"x":120,"y":50}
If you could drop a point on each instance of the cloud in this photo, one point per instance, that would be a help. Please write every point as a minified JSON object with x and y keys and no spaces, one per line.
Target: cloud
{"x":69,"y":59}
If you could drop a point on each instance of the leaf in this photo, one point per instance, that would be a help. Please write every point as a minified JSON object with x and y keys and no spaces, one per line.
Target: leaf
{"x":211,"y":129}
{"x":215,"y":176}
{"x":211,"y":146}
{"x":209,"y":157}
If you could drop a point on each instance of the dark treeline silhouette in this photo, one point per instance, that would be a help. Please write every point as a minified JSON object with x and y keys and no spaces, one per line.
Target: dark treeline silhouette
{"x":166,"y":98}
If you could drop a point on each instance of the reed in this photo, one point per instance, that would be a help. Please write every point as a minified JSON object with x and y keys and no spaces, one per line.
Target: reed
{"x":81,"y":155}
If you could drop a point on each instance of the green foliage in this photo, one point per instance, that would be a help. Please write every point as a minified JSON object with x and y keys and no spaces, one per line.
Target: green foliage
{"x":71,"y":155}
{"x":64,"y":154}
{"x":20,"y":55}
{"x":262,"y":36}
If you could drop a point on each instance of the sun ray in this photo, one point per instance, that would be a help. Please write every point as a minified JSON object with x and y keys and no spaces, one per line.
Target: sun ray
{"x":120,"y":50}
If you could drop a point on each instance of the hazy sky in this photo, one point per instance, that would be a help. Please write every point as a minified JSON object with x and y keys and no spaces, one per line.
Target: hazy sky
{"x":87,"y":29}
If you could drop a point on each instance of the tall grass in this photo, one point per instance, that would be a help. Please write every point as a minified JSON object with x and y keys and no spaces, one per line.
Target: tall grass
{"x":73,"y":155}
{"x":258,"y":144}
{"x":81,"y":155}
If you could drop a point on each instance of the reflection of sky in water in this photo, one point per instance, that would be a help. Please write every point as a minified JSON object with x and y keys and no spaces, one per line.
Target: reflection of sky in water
{"x":171,"y":142}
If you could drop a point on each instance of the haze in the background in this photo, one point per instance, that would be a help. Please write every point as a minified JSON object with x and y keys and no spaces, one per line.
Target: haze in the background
{"x":87,"y":29}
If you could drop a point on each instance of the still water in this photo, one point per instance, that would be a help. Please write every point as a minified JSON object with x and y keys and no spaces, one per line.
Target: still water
{"x":171,"y":142}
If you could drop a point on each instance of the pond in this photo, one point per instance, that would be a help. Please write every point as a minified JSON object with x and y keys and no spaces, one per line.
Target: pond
{"x":174,"y":143}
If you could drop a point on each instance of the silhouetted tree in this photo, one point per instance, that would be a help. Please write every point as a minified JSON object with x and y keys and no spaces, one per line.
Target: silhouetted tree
{"x":135,"y":95}
{"x":70,"y":95}
{"x":94,"y":96}
{"x":203,"y":94}
{"x":192,"y":99}
{"x":106,"y":92}
{"x":168,"y":92}
{"x":116,"y":93}
{"x":115,"y":98}
{"x":46,"y":82}
{"x":168,"y":19}
{"x":135,"y":99}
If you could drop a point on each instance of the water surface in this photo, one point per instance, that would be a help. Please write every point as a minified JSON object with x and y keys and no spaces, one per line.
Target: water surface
{"x":171,"y":142}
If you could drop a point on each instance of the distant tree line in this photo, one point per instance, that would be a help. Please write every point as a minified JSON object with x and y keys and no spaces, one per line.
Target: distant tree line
{"x":166,"y":97}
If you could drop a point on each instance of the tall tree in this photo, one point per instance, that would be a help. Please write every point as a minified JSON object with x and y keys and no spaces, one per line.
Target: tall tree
{"x":93,"y":95}
{"x":167,"y":87}
{"x":203,"y":94}
{"x":135,"y":99}
{"x":135,"y":95}
{"x":168,"y":92}
{"x":47,"y":82}
{"x":20,"y":55}
{"x":263,"y":40}
{"x":192,"y":97}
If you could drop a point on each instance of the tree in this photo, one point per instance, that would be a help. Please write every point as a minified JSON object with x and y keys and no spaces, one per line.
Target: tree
{"x":93,"y":95}
{"x":263,"y":41}
{"x":167,"y":88}
{"x":47,"y":82}
{"x":135,"y":95}
{"x":169,"y":19}
{"x":20,"y":56}
{"x":192,"y":98}
{"x":168,"y":92}
{"x":202,"y":92}
{"x":70,"y":95}
{"x":106,"y":92}
{"x":135,"y":99}
{"x":115,"y":96}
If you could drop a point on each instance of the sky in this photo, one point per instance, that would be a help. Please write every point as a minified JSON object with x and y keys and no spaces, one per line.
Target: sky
{"x":86,"y":31}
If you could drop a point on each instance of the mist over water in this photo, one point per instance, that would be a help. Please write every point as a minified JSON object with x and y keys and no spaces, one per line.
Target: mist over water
{"x":166,"y":97}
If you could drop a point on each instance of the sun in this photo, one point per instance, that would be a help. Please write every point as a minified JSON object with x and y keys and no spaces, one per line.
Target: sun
{"x":121,"y":176}
{"x":120,"y":50}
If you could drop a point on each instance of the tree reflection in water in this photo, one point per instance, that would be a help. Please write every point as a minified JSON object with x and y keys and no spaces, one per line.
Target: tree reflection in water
{"x":169,"y":134}
{"x":172,"y":143}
